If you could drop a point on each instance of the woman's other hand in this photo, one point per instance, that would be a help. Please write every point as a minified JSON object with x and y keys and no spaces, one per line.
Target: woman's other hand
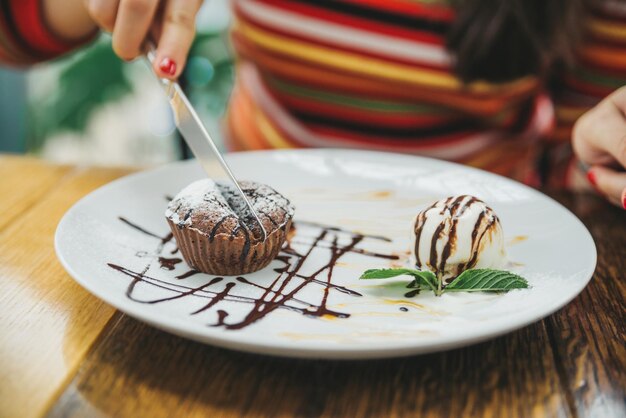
{"x":599,"y":140}
{"x":171,"y":23}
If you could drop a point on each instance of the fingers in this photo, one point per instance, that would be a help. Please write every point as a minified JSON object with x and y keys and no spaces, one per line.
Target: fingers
{"x":103,"y":12}
{"x":609,"y":182}
{"x":131,"y":20}
{"x":618,"y":99}
{"x":134,"y":18}
{"x":599,"y":136}
{"x":177,"y":34}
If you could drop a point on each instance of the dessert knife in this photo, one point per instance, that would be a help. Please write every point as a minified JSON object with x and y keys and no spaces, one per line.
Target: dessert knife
{"x":199,"y":139}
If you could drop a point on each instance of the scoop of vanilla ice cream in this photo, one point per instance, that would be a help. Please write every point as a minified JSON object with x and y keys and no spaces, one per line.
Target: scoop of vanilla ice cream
{"x":456,"y":234}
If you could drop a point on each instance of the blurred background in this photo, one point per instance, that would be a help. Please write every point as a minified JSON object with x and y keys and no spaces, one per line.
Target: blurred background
{"x":92,"y":108}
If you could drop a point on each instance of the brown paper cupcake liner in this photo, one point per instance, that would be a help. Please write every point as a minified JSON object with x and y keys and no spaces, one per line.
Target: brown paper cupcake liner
{"x":226,"y":256}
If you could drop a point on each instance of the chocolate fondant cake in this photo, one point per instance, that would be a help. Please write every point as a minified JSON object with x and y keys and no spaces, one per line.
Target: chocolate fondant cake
{"x":216,"y":235}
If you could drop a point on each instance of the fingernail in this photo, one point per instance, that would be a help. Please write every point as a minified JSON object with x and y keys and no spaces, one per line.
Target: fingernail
{"x":591,"y":176}
{"x":168,"y":66}
{"x":624,"y":199}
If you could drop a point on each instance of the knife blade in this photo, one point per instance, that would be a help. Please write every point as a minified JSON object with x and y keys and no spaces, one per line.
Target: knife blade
{"x":203,"y":148}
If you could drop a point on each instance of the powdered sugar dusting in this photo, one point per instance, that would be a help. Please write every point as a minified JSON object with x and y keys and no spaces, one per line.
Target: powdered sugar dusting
{"x":207,"y":203}
{"x":267,"y":199}
{"x":200,"y":195}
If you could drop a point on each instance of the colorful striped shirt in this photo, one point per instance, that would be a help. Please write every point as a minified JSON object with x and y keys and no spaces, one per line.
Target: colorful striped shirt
{"x":376,"y":74}
{"x":24,"y":36}
{"x":600,"y":70}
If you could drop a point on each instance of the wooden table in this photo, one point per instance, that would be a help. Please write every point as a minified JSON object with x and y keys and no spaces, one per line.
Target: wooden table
{"x":65,"y":353}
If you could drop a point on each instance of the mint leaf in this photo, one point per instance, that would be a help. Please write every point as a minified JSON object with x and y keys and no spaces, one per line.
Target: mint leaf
{"x":385,"y":273}
{"x":423,"y":279}
{"x":486,"y":280}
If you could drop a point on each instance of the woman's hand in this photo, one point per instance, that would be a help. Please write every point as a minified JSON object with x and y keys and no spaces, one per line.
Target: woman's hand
{"x":599,"y":140}
{"x":171,"y":23}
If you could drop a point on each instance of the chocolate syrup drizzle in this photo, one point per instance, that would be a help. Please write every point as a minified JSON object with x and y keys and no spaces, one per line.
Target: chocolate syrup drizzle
{"x":275,"y":295}
{"x":457,"y":207}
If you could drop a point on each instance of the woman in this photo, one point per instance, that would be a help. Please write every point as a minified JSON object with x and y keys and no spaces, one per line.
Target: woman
{"x":490,"y":83}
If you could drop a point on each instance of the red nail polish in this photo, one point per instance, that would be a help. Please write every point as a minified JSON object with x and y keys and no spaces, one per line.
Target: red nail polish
{"x":591,"y":176}
{"x":624,"y":199}
{"x":168,"y":66}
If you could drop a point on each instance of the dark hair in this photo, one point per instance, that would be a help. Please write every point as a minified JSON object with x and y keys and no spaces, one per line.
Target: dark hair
{"x":500,"y":40}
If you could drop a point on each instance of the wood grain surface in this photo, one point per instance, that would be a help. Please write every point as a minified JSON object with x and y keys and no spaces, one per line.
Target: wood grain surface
{"x":589,"y":335}
{"x":65,"y":354}
{"x":145,"y":369}
{"x":48,"y":322}
{"x":20,"y":191}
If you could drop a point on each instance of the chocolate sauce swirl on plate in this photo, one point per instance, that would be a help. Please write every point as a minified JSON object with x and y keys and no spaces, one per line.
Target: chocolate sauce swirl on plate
{"x":282,"y":292}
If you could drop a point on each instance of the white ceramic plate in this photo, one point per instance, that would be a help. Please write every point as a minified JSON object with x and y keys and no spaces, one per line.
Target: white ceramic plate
{"x":362,"y":193}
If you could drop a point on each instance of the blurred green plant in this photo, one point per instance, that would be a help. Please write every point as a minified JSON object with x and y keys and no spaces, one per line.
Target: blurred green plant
{"x":209,"y":74}
{"x":87,"y":80}
{"x":95,"y":76}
